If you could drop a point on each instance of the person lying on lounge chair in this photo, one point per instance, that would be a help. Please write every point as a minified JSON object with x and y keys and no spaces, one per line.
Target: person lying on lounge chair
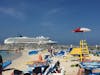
{"x":83,"y":71}
{"x":39,"y":60}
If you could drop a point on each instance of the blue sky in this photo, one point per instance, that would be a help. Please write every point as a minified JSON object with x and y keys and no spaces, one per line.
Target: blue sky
{"x":53,"y":18}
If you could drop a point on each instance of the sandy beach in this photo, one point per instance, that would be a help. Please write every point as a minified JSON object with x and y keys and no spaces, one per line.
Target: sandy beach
{"x":20,"y":63}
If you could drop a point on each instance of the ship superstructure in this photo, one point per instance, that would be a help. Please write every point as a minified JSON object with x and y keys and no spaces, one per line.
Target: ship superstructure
{"x":28,"y":40}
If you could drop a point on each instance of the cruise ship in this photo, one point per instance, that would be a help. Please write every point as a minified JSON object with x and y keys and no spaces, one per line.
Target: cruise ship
{"x":29,"y":40}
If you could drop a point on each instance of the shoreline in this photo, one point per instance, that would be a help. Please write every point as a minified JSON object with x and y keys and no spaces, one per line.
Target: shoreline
{"x":10,"y":55}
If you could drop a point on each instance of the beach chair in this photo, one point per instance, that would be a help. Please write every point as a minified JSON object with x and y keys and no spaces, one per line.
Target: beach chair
{"x":33,"y":52}
{"x":53,"y":68}
{"x":6,"y":63}
{"x":60,"y":53}
{"x":47,"y":56}
{"x":94,"y":74}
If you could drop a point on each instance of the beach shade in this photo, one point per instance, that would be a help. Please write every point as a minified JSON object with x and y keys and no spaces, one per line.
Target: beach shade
{"x":33,"y":52}
{"x":81,"y":29}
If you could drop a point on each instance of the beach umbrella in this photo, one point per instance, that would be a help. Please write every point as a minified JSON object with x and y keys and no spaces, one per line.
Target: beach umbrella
{"x":81,"y":29}
{"x":83,"y":45}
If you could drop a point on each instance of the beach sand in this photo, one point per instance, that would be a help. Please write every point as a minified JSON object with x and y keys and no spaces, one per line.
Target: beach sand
{"x":66,"y":63}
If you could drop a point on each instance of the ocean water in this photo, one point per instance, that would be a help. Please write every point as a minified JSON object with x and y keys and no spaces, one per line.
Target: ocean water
{"x":9,"y":55}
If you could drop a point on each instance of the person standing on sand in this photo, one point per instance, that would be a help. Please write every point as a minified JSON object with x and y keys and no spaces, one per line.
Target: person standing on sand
{"x":51,"y":51}
{"x":1,"y":63}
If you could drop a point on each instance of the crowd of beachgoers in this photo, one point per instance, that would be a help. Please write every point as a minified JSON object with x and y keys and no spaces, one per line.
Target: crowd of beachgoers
{"x":48,"y":62}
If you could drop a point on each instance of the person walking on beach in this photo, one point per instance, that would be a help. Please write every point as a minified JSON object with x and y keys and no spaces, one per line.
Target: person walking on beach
{"x":51,"y":51}
{"x":1,"y":63}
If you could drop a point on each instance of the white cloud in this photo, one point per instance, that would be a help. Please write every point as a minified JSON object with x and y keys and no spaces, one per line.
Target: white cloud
{"x":12,"y":12}
{"x":54,"y":11}
{"x":47,"y":20}
{"x":47,"y":24}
